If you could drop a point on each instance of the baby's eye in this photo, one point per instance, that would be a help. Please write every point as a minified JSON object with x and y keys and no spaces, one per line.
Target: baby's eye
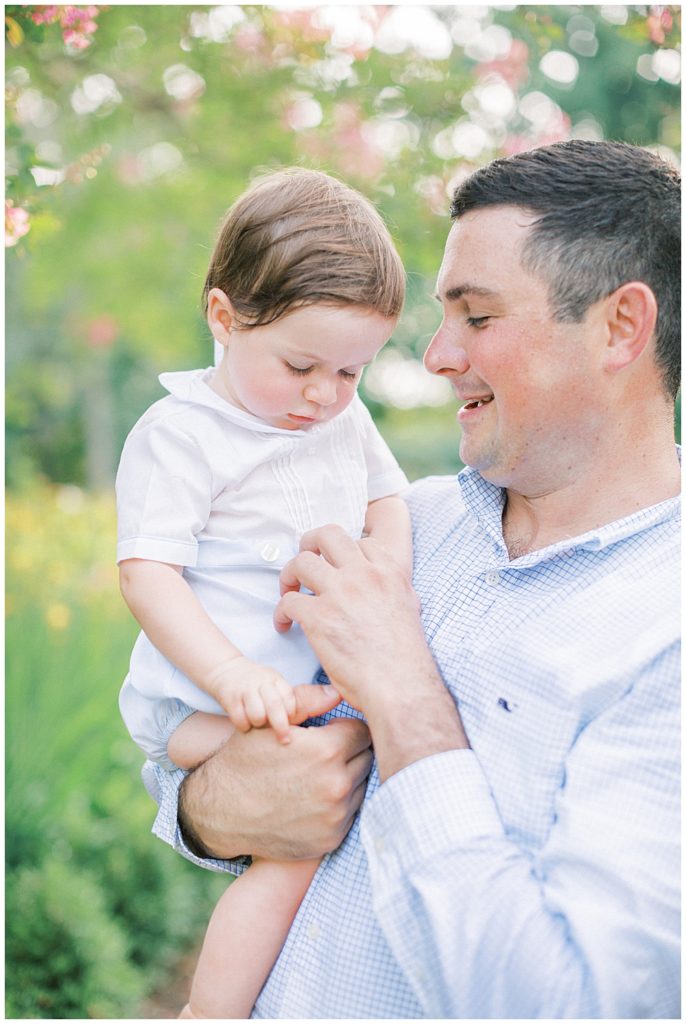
{"x":477,"y":321}
{"x":299,"y":370}
{"x":348,"y":374}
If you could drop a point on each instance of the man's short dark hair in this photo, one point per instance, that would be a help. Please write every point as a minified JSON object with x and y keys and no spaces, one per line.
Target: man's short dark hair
{"x":609,"y":213}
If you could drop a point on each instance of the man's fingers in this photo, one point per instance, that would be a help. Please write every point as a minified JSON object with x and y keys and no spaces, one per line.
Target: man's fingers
{"x":332,"y":542}
{"x":360,"y":767}
{"x":312,"y":701}
{"x":356,"y":799}
{"x":373,"y":551}
{"x":289,"y":610}
{"x":306,"y":569}
{"x":351,"y":735}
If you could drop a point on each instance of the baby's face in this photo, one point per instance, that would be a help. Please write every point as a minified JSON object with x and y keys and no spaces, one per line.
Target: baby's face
{"x":304,"y":368}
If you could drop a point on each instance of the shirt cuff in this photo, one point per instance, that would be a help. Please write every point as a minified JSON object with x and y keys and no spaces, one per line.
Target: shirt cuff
{"x":163,"y":787}
{"x":436,"y":804}
{"x":174,"y":552}
{"x":386,"y":484}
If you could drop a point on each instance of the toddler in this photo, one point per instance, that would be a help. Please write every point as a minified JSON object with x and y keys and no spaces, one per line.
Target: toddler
{"x":218,"y":481}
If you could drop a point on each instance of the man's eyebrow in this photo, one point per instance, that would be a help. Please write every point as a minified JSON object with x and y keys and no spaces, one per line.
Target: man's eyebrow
{"x":455,"y":293}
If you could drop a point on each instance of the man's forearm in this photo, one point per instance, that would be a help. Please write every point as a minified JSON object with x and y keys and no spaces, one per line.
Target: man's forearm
{"x":196,"y":793}
{"x":412,"y":728}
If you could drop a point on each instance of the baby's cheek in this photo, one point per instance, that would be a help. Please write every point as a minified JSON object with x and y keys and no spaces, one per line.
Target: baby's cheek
{"x":345,"y":397}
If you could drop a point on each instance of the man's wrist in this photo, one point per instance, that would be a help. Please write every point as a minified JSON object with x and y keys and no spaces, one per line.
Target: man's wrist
{"x":414,"y":723}
{"x":200,"y":841}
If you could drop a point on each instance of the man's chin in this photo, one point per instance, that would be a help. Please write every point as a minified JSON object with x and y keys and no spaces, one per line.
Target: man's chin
{"x":485,"y":464}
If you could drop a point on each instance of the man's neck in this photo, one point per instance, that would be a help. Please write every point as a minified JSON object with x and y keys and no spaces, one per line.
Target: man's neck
{"x":602,"y":495}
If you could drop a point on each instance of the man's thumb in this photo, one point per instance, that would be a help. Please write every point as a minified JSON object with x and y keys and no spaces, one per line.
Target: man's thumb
{"x":313,"y":700}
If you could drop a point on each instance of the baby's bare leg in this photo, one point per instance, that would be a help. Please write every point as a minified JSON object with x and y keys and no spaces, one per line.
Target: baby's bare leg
{"x":244,"y":937}
{"x":197,"y":738}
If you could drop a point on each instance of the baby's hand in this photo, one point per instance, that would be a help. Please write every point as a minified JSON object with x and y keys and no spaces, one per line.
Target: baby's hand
{"x":254,"y":695}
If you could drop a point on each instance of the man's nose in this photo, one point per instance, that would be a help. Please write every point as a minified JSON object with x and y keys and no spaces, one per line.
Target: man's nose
{"x":445,"y":355}
{"x":321,"y":392}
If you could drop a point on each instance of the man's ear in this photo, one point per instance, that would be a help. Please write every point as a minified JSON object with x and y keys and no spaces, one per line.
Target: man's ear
{"x":631,"y":318}
{"x":220,"y":315}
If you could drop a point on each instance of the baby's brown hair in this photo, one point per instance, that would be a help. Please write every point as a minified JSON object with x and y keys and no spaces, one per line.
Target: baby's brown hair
{"x":298,"y":237}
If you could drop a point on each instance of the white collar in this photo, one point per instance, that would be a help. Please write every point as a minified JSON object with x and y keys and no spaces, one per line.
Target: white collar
{"x":193,"y":386}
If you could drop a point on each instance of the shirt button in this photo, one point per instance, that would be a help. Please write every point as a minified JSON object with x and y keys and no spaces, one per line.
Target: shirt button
{"x":492,"y":578}
{"x":269,"y":552}
{"x":313,"y":932}
{"x":380,"y":844}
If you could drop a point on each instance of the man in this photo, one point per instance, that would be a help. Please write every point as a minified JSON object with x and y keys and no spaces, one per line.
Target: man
{"x":517,"y":853}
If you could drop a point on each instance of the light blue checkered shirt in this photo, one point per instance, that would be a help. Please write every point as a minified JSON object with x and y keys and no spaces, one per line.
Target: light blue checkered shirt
{"x":537,"y":874}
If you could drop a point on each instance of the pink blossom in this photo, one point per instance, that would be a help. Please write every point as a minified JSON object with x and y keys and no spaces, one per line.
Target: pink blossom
{"x":16,"y":223}
{"x":301,"y":22}
{"x":78,"y":23}
{"x":44,"y":15}
{"x":77,"y":40}
{"x":655,"y":30}
{"x":249,"y":38}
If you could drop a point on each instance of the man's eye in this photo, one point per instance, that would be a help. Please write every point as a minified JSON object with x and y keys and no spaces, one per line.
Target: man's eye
{"x":477,"y":321}
{"x":348,"y":374}
{"x":299,"y":370}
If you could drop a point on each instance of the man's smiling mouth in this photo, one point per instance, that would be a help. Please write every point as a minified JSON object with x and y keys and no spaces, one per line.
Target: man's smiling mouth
{"x":476,"y":403}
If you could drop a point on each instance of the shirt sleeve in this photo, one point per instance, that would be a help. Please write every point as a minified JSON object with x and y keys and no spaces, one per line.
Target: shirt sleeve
{"x":163,"y":787}
{"x":384,"y":475}
{"x":164,"y":489}
{"x":586,"y":927}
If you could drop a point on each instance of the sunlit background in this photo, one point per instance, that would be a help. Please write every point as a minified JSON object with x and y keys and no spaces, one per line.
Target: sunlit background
{"x":129,"y":131}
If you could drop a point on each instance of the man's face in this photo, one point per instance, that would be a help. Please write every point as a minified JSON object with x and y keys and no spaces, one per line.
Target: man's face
{"x":530,"y":388}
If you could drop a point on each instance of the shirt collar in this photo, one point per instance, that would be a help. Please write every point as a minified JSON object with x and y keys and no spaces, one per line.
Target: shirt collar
{"x":485,"y":502}
{"x":193,"y":386}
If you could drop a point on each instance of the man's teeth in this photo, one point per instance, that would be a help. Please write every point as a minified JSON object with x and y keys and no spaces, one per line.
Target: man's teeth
{"x":479,"y":402}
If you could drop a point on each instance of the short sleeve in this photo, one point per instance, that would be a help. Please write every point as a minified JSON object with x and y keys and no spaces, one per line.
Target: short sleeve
{"x":384,"y":475}
{"x":164,"y":490}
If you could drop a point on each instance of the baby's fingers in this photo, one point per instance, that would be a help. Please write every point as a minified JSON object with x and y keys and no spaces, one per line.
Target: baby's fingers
{"x":279,"y":701}
{"x":238,"y":715}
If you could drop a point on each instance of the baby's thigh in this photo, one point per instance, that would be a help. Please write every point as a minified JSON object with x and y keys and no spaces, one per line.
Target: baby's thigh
{"x":197,"y":738}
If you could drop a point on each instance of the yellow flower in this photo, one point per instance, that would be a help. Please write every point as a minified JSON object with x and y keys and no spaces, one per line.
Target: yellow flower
{"x":58,"y":616}
{"x":15,"y":32}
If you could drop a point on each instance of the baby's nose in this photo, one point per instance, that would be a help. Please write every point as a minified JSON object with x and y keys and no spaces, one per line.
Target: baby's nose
{"x":321,"y":392}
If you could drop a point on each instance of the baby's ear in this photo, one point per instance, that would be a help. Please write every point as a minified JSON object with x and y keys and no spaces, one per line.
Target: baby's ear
{"x":220,"y":315}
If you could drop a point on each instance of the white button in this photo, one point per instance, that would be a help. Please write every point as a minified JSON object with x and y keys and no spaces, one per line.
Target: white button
{"x":380,"y":844}
{"x":313,"y":931}
{"x":492,"y":578}
{"x":269,"y":551}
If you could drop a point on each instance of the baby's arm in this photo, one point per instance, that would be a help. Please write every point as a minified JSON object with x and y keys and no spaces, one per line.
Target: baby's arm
{"x":176,"y":623}
{"x":388,"y":521}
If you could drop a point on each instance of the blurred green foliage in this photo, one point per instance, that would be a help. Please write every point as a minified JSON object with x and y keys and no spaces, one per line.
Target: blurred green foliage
{"x":124,"y":154}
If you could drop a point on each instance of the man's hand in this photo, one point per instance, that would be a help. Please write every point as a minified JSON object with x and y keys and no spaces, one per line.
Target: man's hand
{"x":256,"y":796}
{"x":363,"y":621}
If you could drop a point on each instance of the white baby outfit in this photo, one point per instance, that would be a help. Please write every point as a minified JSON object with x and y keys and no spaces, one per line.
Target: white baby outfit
{"x":206,"y":486}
